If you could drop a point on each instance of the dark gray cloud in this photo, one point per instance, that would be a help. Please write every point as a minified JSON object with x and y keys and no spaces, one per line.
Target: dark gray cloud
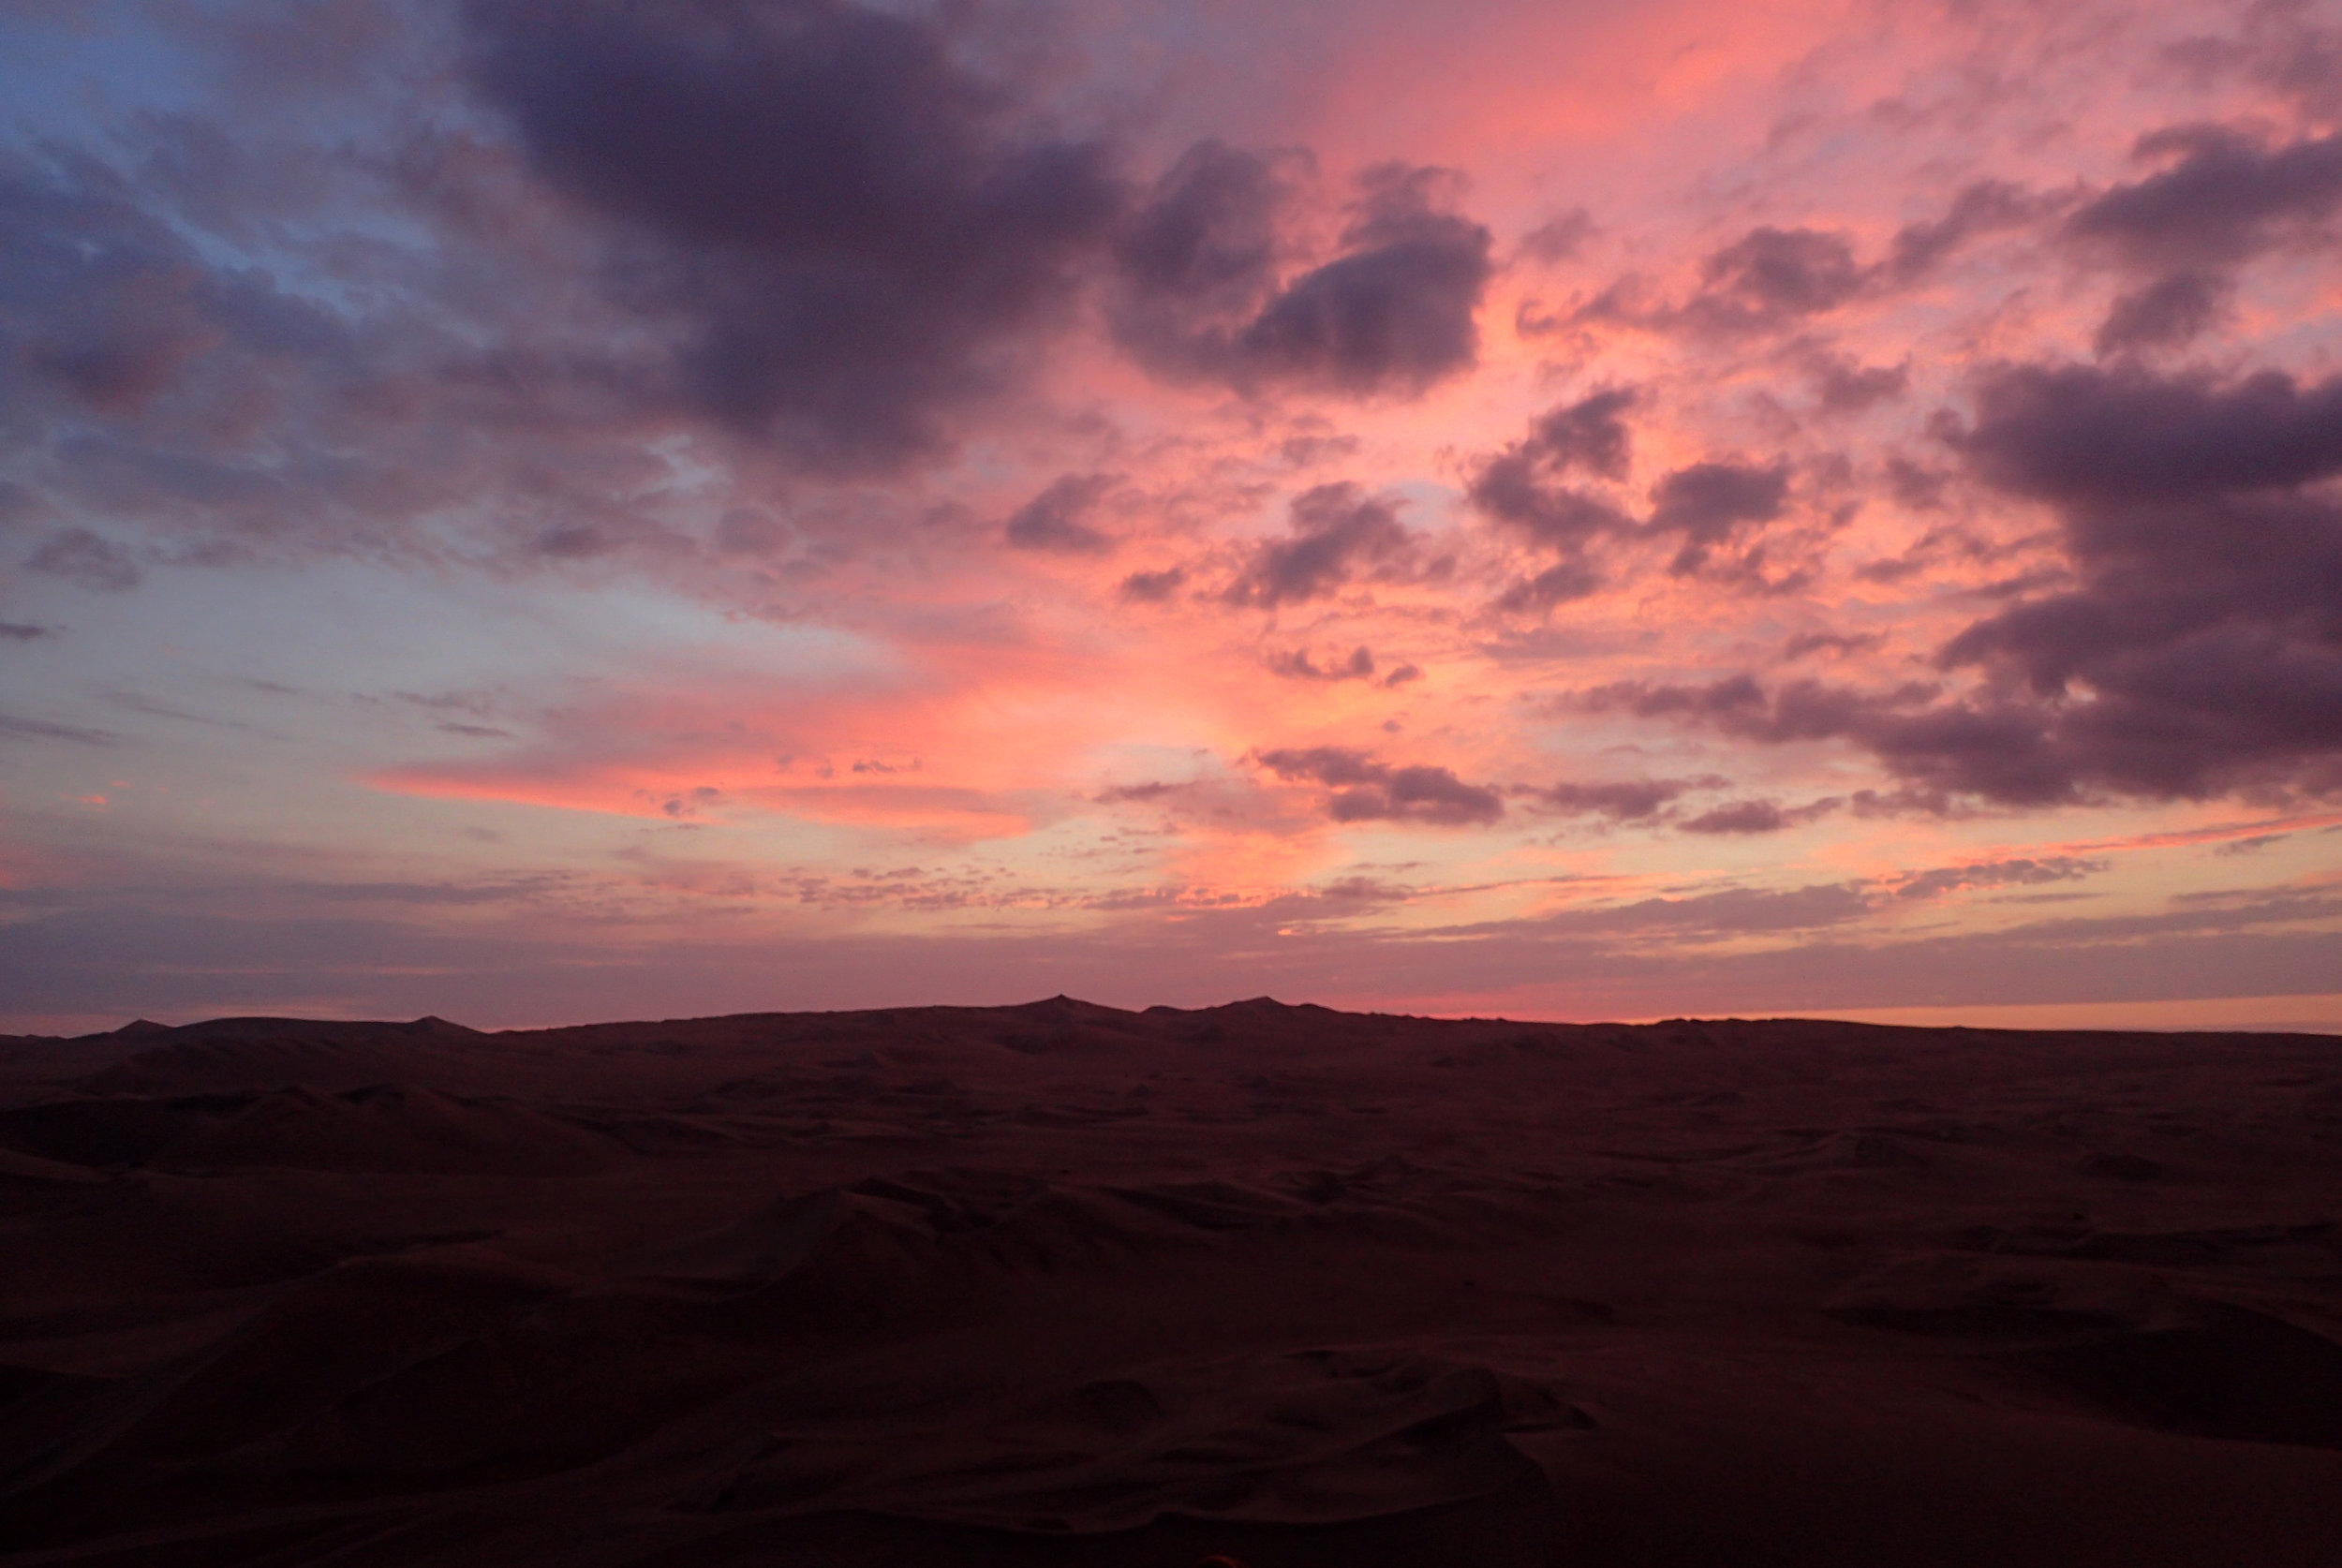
{"x":2000,"y":749}
{"x":90,"y":560}
{"x":1773,"y":280}
{"x":516,"y":887}
{"x":1916,"y":485}
{"x":41,"y":729}
{"x":98,"y":300}
{"x":851,"y":226}
{"x":1985,"y":207}
{"x":1207,"y":231}
{"x":1297,"y":665}
{"x":108,"y":309}
{"x":1770,"y":277}
{"x":2104,"y":439}
{"x":1623,"y":801}
{"x":1153,"y":587}
{"x":1337,"y":533}
{"x":17,"y":632}
{"x":1053,"y":520}
{"x":1570,"y":579}
{"x":2251,"y":845}
{"x":2169,"y":313}
{"x":2225,"y":196}
{"x":749,"y":531}
{"x":1723,"y":699}
{"x":2023,"y":872}
{"x":1153,"y":789}
{"x":1846,"y":388}
{"x":1198,"y":256}
{"x":1733,"y":911}
{"x":1835,"y":644}
{"x":146,"y":381}
{"x":1758,"y":815}
{"x":1363,"y":789}
{"x":2283,"y":46}
{"x":1509,"y":489}
{"x":1559,"y":239}
{"x":1709,"y":503}
{"x":2203,"y":641}
{"x":2198,"y":647}
{"x":1527,"y":489}
{"x":1522,"y":486}
{"x":1392,"y":313}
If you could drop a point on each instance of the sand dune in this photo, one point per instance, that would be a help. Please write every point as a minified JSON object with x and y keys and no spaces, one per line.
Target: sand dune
{"x":1060,"y":1284}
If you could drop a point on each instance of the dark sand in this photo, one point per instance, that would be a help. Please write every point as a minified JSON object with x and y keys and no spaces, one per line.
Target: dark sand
{"x":1066,"y":1286}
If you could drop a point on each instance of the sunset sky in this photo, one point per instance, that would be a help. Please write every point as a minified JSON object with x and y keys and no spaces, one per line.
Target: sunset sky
{"x":536,"y":512}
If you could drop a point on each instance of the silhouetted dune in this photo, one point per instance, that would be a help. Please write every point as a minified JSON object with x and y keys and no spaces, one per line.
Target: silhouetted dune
{"x":1063,"y":1285}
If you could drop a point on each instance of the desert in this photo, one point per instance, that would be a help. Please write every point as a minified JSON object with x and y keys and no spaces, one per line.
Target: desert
{"x":596,"y":595}
{"x":1065,"y":1284}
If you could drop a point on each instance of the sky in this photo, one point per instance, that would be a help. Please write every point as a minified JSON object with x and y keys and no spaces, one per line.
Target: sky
{"x":536,"y":511}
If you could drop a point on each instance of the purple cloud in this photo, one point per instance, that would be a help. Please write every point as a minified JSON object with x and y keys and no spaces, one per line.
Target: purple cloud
{"x":1336,"y":533}
{"x":1364,"y":788}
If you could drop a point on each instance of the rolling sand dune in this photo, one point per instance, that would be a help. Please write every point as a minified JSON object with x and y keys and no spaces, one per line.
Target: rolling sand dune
{"x":1062,"y":1285}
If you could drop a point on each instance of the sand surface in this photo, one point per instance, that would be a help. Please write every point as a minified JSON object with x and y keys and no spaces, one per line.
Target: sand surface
{"x":1062,"y":1285}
